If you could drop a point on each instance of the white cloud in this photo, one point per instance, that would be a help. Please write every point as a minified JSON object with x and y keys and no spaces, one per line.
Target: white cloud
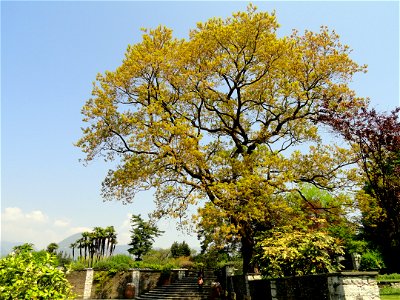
{"x":123,"y":234}
{"x":61,"y":223}
{"x":26,"y":227}
{"x":127,"y":222}
{"x":37,"y":216}
{"x":35,"y":227}
{"x":41,"y":229}
{"x":15,"y":214}
{"x":12,"y":214}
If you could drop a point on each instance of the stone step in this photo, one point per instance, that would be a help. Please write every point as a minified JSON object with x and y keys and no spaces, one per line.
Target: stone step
{"x":147,"y":297}
{"x":204,"y":293}
{"x":184,"y":289}
{"x":161,"y":296}
{"x":173,"y":293}
{"x":176,"y":296}
{"x":174,"y":290}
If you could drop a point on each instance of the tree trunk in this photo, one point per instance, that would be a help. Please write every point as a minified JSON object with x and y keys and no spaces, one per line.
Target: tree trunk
{"x":247,"y":255}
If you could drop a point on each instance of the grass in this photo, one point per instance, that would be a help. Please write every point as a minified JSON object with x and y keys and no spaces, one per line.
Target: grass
{"x":388,"y":277}
{"x":388,"y":292}
{"x":390,"y":297}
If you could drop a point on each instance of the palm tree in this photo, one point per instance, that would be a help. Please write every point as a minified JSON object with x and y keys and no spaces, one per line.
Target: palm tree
{"x":85,"y":243}
{"x":73,"y":245}
{"x":52,"y":247}
{"x":111,"y":238}
{"x":99,"y":235}
{"x":80,"y":243}
{"x":96,"y":244}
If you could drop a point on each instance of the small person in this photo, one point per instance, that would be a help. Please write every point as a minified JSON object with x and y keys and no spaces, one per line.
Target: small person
{"x":200,"y":283}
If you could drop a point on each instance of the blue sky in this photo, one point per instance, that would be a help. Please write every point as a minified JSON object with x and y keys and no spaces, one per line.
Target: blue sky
{"x":50,"y":55}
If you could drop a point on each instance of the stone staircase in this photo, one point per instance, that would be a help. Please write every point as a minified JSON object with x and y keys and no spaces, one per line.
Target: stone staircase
{"x":184,"y":289}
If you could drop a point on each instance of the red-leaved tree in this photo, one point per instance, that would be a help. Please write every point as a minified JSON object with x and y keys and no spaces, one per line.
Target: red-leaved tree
{"x":376,"y":138}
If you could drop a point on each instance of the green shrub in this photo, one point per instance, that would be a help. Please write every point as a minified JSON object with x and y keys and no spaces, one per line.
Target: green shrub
{"x":114,"y":263}
{"x":122,"y":262}
{"x":371,"y":260}
{"x":25,"y":274}
{"x":164,"y":257}
{"x":356,"y":246}
{"x":63,"y":259}
{"x":77,"y":265}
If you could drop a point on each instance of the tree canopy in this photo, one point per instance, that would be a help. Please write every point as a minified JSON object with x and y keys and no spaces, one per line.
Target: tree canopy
{"x":226,"y":119}
{"x":180,"y":249}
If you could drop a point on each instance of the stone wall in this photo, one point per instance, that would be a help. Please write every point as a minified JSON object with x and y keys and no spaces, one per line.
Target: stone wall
{"x":332,"y":286}
{"x":149,"y":279}
{"x":77,"y":280}
{"x":236,"y":287}
{"x":105,"y":285}
{"x":301,"y":287}
{"x":258,"y":289}
{"x":353,"y":286}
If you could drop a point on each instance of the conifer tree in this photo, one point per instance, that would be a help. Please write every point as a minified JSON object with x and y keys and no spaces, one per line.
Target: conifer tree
{"x":143,"y":234}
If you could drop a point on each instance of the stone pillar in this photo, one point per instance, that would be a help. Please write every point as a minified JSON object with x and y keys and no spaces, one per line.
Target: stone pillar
{"x":88,"y":284}
{"x":247,"y":295}
{"x":136,"y":281}
{"x":353,"y":286}
{"x":181,"y":273}
{"x":273,"y":290}
{"x":356,"y":260}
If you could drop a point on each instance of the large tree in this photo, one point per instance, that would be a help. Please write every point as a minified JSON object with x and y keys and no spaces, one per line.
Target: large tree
{"x":219,"y":118}
{"x":376,"y":138}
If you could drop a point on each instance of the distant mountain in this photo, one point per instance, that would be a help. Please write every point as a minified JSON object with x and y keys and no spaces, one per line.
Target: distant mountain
{"x":65,"y":243}
{"x":121,"y":249}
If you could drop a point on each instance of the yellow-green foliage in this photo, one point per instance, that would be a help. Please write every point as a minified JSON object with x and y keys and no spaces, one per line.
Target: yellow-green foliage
{"x":27,"y":275}
{"x":219,"y":117}
{"x":298,"y":252}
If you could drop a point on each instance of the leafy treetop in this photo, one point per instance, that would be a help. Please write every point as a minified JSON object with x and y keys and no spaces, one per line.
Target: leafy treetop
{"x":219,"y":117}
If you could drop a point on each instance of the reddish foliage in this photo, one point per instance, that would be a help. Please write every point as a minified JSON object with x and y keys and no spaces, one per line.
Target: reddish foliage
{"x":377,"y":136}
